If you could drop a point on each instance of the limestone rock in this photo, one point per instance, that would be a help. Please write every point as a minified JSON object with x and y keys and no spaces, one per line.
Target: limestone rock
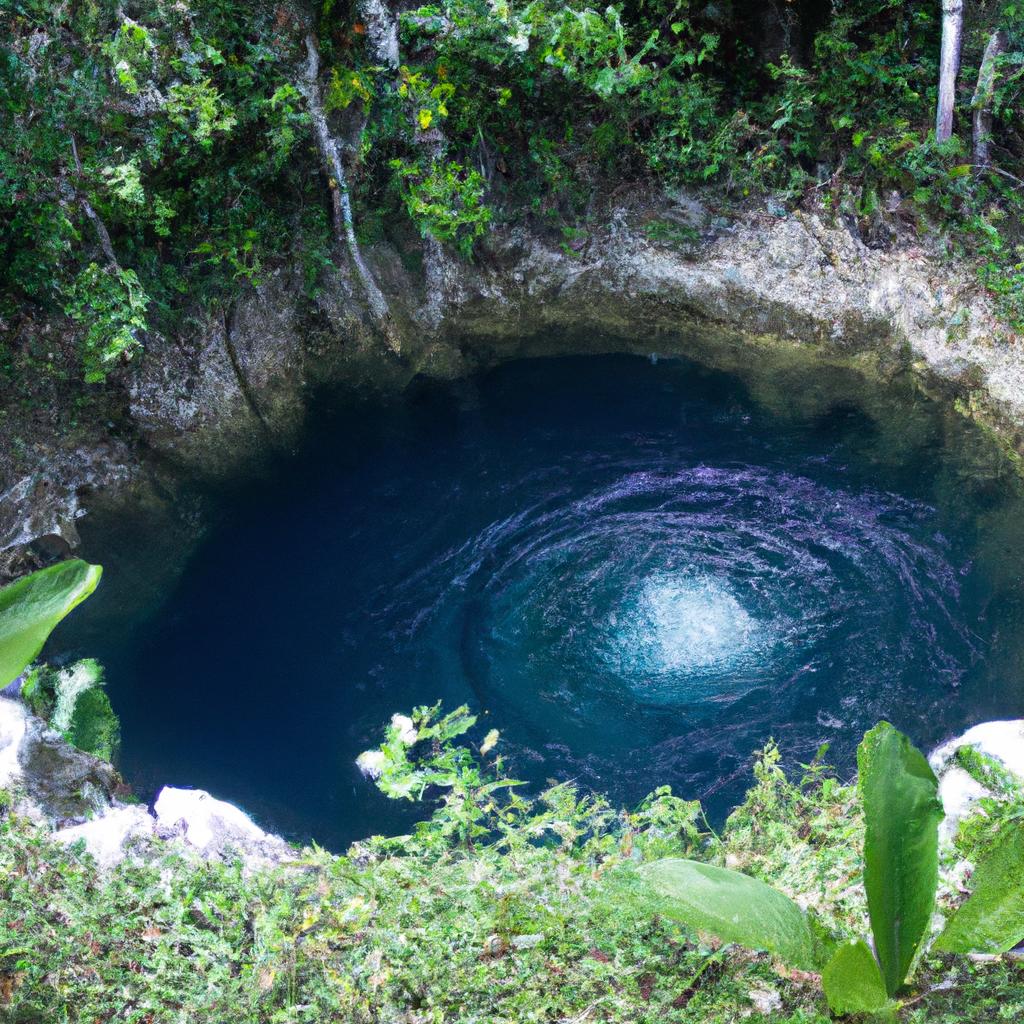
{"x":56,"y":783}
{"x":109,"y":837}
{"x":214,"y":827}
{"x":60,"y":783}
{"x":958,"y":790}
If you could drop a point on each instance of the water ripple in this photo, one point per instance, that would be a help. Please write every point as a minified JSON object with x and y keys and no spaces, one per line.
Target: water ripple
{"x":688,"y":591}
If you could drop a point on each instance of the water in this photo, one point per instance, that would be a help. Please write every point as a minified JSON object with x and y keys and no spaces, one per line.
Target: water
{"x":638,"y":571}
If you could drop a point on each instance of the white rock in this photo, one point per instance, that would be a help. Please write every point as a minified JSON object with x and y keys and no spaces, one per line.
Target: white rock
{"x":214,"y":826}
{"x":1002,"y":741}
{"x":959,"y":791}
{"x":13,"y":724}
{"x":371,"y":763}
{"x":107,"y":838}
{"x":766,"y":1000}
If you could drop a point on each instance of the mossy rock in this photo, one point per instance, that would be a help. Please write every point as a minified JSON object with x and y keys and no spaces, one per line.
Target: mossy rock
{"x":94,"y":726}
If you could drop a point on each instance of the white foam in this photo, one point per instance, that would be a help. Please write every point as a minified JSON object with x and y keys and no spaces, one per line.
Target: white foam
{"x":683,"y":627}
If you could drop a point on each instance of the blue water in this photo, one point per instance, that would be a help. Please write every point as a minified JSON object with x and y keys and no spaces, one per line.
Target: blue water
{"x":639,"y":571}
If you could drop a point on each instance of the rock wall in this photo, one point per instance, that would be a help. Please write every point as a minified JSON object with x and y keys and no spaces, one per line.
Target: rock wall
{"x":226,"y":392}
{"x":83,"y":800}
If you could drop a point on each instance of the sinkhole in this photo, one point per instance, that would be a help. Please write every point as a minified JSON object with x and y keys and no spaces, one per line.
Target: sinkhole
{"x":638,"y":570}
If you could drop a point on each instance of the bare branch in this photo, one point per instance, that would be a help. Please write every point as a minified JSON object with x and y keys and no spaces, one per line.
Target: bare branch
{"x":97,"y":222}
{"x":341,"y":203}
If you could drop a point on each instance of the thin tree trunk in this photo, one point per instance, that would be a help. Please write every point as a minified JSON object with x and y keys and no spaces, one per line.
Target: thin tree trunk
{"x":949,"y":65}
{"x":382,"y":40}
{"x":341,"y":203}
{"x":983,"y":96}
{"x":97,"y":221}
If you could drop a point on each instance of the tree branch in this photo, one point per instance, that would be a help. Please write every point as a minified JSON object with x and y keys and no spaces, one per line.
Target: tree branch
{"x":341,"y":203}
{"x":97,"y":222}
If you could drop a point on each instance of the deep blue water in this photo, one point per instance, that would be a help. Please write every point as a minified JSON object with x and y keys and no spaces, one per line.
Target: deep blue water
{"x":639,"y":571}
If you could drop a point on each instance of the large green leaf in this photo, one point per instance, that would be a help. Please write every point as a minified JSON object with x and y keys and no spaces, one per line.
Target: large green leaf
{"x":992,"y":919}
{"x":853,"y":982}
{"x":901,"y":864}
{"x":734,"y":907}
{"x":31,"y":607}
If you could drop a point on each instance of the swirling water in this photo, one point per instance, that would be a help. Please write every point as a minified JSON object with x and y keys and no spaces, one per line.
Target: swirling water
{"x":638,"y":570}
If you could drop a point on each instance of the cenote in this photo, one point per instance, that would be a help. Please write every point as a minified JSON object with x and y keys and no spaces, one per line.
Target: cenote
{"x":637,"y":569}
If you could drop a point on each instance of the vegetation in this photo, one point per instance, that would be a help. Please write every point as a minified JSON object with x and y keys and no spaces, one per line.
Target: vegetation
{"x":31,"y":607}
{"x":154,"y":153}
{"x":498,"y":907}
{"x":72,"y":699}
{"x":901,"y":814}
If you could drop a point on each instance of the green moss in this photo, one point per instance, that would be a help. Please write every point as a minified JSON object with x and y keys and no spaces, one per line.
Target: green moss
{"x":94,"y":726}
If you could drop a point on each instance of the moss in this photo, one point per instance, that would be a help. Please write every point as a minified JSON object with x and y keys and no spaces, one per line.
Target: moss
{"x":94,"y":727}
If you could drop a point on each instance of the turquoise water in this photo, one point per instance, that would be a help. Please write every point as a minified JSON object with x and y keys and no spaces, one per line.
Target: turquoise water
{"x":639,"y":570}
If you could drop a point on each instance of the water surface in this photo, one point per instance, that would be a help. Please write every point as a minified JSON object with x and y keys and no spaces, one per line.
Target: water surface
{"x":638,"y":570}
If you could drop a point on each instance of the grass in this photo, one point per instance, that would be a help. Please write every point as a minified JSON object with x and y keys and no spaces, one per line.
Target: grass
{"x":535,"y":915}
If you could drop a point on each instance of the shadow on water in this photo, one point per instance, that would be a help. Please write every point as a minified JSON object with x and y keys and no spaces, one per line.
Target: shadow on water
{"x":638,"y":570}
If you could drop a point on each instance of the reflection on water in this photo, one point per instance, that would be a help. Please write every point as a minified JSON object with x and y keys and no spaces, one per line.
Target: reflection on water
{"x":638,"y":572}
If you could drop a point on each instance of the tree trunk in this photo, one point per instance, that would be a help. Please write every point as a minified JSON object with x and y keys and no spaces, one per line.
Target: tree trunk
{"x":341,"y":203}
{"x":949,"y":65}
{"x":983,"y":95}
{"x":381,"y":24}
{"x":97,"y":221}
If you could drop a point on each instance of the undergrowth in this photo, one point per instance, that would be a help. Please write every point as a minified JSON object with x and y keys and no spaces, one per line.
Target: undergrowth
{"x":498,"y":908}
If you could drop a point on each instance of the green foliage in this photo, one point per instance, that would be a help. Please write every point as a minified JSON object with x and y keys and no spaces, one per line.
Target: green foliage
{"x":130,"y":53}
{"x":94,"y":725}
{"x":31,"y":607}
{"x":1001,"y":811}
{"x":539,"y":919}
{"x":445,"y":201}
{"x":543,"y":915}
{"x":853,"y":981}
{"x":992,"y":919}
{"x":346,"y":86}
{"x":179,"y":128}
{"x":73,"y":702}
{"x":111,"y":305}
{"x":183,"y":126}
{"x":734,"y":907}
{"x":200,"y":111}
{"x":902,"y":814}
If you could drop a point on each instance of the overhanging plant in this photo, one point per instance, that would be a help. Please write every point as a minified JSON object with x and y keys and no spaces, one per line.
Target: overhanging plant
{"x":31,"y":608}
{"x":899,"y":794}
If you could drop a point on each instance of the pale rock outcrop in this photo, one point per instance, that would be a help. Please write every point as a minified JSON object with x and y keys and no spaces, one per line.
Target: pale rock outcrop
{"x":190,"y":818}
{"x":110,"y":836}
{"x":958,"y":790}
{"x":58,"y":782}
{"x":215,"y":828}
